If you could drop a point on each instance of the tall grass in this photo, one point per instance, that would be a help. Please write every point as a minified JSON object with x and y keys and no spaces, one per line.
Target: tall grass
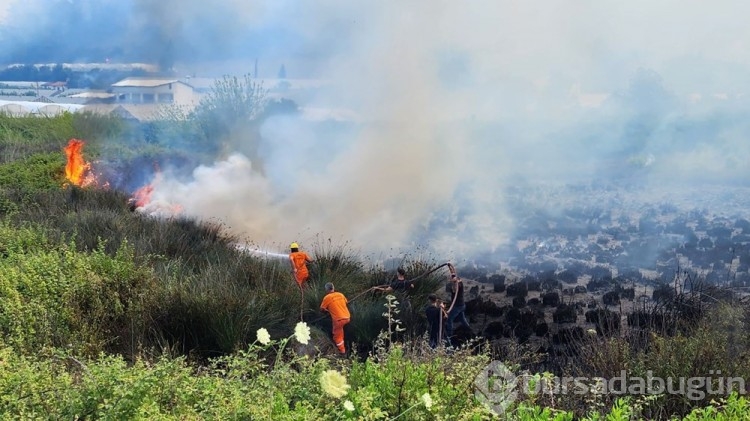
{"x":207,"y":296}
{"x":21,"y":137}
{"x":712,"y":348}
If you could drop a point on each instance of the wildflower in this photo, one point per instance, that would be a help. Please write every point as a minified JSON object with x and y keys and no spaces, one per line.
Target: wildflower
{"x":263,"y":336}
{"x":349,"y":406}
{"x":390,"y":297}
{"x":591,"y":332}
{"x":334,"y":383}
{"x":427,"y":399}
{"x":302,"y":333}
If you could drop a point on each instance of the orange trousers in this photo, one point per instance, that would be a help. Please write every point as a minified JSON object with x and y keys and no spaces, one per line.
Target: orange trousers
{"x":301,"y":276}
{"x":338,"y":334}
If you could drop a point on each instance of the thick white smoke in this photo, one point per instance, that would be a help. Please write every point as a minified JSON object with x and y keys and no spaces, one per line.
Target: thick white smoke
{"x":460,"y":101}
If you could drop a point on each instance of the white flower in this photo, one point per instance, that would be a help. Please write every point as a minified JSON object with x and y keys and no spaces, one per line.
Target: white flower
{"x":334,"y":383}
{"x":349,"y":406}
{"x":427,"y":399}
{"x":302,"y":333}
{"x":263,"y":336}
{"x":591,"y":331}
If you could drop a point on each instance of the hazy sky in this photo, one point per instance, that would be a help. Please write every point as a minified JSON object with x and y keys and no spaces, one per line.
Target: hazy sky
{"x":461,"y":100}
{"x":4,"y":5}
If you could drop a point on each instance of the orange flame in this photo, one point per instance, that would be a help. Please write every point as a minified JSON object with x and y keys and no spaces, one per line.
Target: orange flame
{"x":142,"y":199}
{"x":142,"y":196}
{"x":77,"y":170}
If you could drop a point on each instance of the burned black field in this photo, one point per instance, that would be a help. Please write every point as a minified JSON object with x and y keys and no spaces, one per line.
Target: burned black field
{"x":597,"y":271}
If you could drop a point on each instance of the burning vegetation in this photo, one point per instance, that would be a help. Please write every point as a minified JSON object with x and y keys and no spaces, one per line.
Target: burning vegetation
{"x":77,"y":170}
{"x":142,"y":196}
{"x":79,"y":173}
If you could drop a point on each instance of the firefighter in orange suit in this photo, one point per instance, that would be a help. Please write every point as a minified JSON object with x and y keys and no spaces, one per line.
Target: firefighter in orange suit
{"x":299,"y":260}
{"x":335,"y":304}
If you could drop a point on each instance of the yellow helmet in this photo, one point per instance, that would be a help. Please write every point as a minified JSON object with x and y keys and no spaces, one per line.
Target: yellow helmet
{"x":294,"y":246}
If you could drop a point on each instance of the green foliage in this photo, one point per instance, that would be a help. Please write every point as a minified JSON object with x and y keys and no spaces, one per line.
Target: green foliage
{"x":240,"y":386}
{"x":678,"y":358}
{"x":23,"y":136}
{"x":37,"y":172}
{"x":96,"y":126}
{"x":685,"y":356}
{"x":55,"y":296}
{"x":227,"y":118}
{"x":401,"y":384}
{"x":526,"y":412}
{"x":733,"y":407}
{"x":230,"y":104}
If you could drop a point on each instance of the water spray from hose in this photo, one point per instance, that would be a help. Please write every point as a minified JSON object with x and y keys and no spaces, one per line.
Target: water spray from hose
{"x":264,"y":253}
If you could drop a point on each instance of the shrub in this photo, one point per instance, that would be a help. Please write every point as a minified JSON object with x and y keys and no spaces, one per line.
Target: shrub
{"x":551,"y":299}
{"x":564,"y":313}
{"x":36,"y":172}
{"x":518,"y":289}
{"x":57,"y":296}
{"x":611,"y":298}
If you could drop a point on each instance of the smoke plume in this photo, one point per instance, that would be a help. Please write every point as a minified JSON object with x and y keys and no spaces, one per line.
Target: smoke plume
{"x":468,"y":114}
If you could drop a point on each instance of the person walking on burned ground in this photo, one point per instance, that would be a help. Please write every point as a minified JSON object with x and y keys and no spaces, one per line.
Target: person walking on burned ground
{"x":457,"y":308}
{"x":335,"y":303}
{"x":436,"y":316}
{"x":299,"y":260}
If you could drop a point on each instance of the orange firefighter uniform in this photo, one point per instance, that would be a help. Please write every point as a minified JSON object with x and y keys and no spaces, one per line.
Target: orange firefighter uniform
{"x":335,"y":304}
{"x":299,"y":261}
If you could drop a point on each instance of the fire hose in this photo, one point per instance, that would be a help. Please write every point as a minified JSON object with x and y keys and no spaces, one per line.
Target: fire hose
{"x":453,"y":302}
{"x":377,"y":287}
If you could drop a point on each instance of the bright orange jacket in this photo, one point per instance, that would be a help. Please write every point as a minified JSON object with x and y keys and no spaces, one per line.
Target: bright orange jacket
{"x":335,"y":304}
{"x":299,"y":260}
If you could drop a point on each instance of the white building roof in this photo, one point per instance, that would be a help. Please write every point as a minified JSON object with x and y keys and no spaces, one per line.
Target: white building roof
{"x":94,"y":95}
{"x":144,"y":82}
{"x":38,"y":108}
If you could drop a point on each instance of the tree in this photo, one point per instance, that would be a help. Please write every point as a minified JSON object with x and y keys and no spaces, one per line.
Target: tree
{"x":230,"y":112}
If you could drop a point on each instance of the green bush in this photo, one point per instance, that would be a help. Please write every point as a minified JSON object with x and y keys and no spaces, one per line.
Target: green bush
{"x":37,"y":172}
{"x":24,"y":136}
{"x":54,"y":296}
{"x":270,"y":381}
{"x":262,"y":382}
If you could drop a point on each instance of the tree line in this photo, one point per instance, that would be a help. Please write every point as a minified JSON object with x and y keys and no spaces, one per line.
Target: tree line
{"x":91,"y":79}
